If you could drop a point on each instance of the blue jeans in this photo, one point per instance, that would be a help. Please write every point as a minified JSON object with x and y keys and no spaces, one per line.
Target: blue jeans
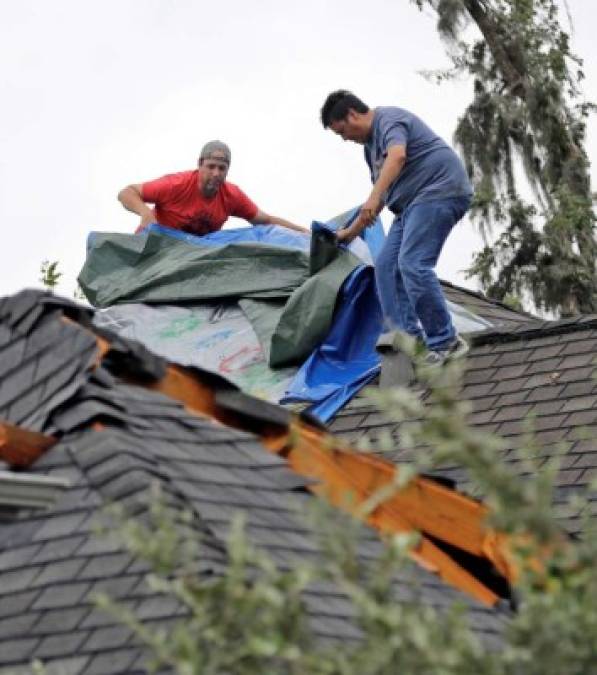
{"x":409,"y":291}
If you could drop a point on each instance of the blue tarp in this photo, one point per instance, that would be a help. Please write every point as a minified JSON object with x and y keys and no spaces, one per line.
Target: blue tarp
{"x":266,"y":234}
{"x":347,"y":359}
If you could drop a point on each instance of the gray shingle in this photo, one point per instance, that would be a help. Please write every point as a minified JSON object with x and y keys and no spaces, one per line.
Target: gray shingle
{"x":98,"y":617}
{"x":17,"y":557}
{"x":61,"y":595}
{"x":105,"y":638}
{"x":17,"y":626}
{"x":67,"y":666}
{"x":60,"y":620}
{"x":60,"y":526}
{"x":105,"y":566}
{"x":582,"y":418}
{"x":580,"y":403}
{"x":65,"y":644}
{"x":62,"y":570}
{"x":547,"y":407}
{"x":116,"y":587}
{"x":112,"y":662}
{"x":17,"y":580}
{"x":15,"y":603}
{"x":17,"y":650}
{"x":58,"y":549}
{"x":158,"y":607}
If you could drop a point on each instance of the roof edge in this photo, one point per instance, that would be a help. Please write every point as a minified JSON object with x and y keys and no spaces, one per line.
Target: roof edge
{"x":491,"y":301}
{"x":533,"y":329}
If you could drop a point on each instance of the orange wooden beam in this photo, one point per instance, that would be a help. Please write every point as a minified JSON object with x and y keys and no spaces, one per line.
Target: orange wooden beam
{"x":426,"y":505}
{"x":20,"y":448}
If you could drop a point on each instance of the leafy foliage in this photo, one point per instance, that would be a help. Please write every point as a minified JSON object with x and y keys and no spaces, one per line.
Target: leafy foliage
{"x":49,"y":274}
{"x":527,"y":112}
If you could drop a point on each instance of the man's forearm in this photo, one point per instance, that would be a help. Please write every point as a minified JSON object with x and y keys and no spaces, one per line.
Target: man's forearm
{"x":390,"y":171}
{"x":286,"y":223}
{"x":132,"y":201}
{"x":265,"y":219}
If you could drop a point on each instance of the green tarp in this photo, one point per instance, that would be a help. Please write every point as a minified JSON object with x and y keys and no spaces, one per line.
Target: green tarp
{"x":287,"y":294}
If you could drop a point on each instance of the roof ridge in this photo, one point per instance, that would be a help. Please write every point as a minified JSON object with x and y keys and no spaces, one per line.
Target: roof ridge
{"x":486,"y":298}
{"x":533,"y":329}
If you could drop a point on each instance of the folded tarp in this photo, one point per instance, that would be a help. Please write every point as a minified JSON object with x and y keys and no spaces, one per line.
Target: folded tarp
{"x":346,"y":360}
{"x":301,"y":298}
{"x":155,"y":267}
{"x":288,"y":295}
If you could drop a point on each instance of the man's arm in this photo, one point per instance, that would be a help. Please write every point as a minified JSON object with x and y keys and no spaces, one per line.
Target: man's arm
{"x":262,"y":218}
{"x":390,"y":170}
{"x":130,"y":198}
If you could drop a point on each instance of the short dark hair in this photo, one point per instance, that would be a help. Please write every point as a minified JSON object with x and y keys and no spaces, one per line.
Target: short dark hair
{"x":337,"y":105}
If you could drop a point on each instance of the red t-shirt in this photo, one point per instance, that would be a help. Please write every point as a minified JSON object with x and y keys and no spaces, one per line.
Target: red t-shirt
{"x":180,"y":204}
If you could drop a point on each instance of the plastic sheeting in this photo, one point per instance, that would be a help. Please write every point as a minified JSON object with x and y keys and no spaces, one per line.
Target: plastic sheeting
{"x":280,"y":290}
{"x":265,"y":234}
{"x":217,"y":337}
{"x":155,"y":267}
{"x":347,"y":359}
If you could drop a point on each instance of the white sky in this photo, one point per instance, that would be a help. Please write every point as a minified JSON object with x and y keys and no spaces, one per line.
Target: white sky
{"x":97,"y":95}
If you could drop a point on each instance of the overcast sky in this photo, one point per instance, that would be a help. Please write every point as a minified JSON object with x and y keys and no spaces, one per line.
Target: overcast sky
{"x":97,"y":95}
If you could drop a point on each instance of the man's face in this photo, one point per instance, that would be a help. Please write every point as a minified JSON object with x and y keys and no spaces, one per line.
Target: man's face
{"x":352,"y":128}
{"x":212,"y":173}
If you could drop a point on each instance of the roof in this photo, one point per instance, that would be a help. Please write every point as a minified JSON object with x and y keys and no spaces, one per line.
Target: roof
{"x":111,"y":439}
{"x":496,"y":313}
{"x":545,"y":369}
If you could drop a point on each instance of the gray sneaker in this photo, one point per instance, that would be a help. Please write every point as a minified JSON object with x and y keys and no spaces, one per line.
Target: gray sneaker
{"x":456,"y":349}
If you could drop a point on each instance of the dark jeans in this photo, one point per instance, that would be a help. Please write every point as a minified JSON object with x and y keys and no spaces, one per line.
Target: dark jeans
{"x":410,"y":293}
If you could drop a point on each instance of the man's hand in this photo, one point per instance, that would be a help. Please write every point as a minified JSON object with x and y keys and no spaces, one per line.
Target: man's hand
{"x":345,"y":235}
{"x":130,"y":197}
{"x":146,"y":219}
{"x":349,"y":233}
{"x":370,"y":209}
{"x":263,"y":218}
{"x":366,"y":217}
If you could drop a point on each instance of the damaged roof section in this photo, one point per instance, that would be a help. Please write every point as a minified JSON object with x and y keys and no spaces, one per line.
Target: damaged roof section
{"x":117,"y":427}
{"x":343,"y":477}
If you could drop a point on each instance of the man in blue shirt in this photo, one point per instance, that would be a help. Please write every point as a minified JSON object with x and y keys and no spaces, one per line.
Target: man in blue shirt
{"x":423,"y":182}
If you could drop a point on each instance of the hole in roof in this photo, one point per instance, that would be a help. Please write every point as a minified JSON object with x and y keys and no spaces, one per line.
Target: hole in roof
{"x":480,"y":568}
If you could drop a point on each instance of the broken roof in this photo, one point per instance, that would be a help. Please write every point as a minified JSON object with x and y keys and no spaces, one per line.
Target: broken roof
{"x":119,"y":418}
{"x":112,"y":439}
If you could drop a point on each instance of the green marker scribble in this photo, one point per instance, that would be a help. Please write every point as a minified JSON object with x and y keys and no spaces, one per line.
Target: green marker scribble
{"x":258,"y":378}
{"x":179,"y":327}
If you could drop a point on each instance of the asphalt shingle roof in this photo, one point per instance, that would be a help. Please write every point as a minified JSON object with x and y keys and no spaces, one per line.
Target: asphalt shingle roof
{"x":545,"y":370}
{"x":52,"y":562}
{"x":497,"y":313}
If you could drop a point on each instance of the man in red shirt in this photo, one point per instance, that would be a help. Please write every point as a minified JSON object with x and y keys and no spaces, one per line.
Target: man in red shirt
{"x":197,"y":201}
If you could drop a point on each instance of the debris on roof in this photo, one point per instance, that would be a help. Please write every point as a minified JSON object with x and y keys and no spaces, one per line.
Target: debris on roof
{"x":21,"y":490}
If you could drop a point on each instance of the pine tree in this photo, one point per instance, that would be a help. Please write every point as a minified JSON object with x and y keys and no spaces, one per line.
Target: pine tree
{"x":527,"y":111}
